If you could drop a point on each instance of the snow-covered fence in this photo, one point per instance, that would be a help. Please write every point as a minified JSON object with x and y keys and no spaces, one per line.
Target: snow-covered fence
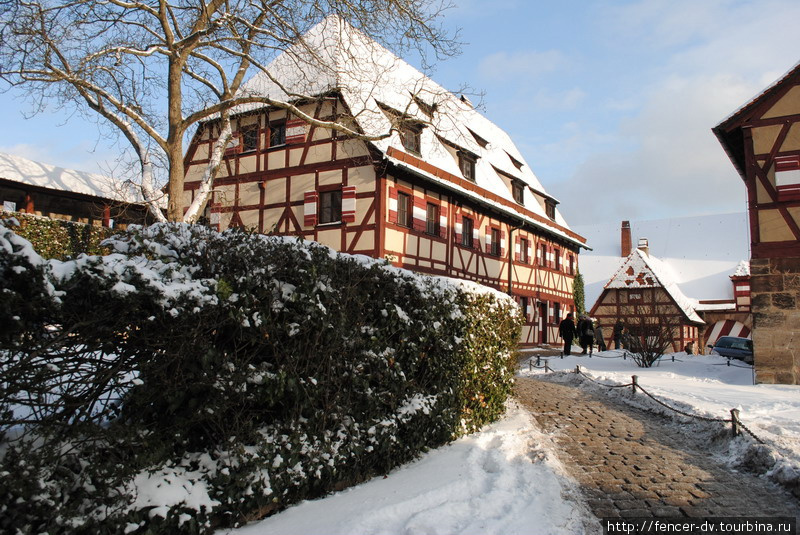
{"x":736,"y":424}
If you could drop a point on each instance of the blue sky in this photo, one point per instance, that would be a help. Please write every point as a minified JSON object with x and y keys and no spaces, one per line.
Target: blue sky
{"x":611,"y":102}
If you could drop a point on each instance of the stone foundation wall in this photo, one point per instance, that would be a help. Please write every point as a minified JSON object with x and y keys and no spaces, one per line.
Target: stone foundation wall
{"x":775,"y":291}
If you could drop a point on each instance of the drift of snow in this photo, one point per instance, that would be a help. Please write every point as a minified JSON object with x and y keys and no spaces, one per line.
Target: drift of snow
{"x":506,"y":479}
{"x":709,"y":386}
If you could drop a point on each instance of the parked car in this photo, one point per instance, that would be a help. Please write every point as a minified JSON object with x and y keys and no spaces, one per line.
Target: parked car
{"x":734,"y":347}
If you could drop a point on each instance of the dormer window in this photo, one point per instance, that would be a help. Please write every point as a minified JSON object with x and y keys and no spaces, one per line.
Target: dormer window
{"x":427,"y":109}
{"x":479,"y":140}
{"x":550,"y":208}
{"x":410,"y":136}
{"x":518,"y":191}
{"x":466,"y":163}
{"x":517,"y":163}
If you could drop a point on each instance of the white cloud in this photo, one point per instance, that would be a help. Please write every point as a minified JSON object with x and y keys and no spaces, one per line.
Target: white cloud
{"x":520,"y":66}
{"x":710,"y":58}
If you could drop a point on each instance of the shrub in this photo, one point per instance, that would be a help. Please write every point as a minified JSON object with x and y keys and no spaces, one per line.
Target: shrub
{"x":58,"y":238}
{"x":253,"y":371}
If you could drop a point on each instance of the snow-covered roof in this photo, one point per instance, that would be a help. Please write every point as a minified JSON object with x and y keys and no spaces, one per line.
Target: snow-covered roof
{"x":743,"y":269}
{"x":22,"y":170}
{"x":377,"y":86}
{"x":702,"y":252}
{"x":760,"y":94}
{"x":641,"y":270}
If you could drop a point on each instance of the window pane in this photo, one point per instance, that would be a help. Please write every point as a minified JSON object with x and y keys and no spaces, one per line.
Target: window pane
{"x":410,"y":137}
{"x":466,"y":236}
{"x":495,"y":242}
{"x":250,"y":138}
{"x":467,"y":166}
{"x":330,"y":210}
{"x":432,"y":220}
{"x":277,"y":134}
{"x":404,"y":209}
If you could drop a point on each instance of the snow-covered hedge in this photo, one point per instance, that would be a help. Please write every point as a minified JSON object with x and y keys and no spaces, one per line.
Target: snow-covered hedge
{"x":58,"y":238}
{"x":192,"y":379}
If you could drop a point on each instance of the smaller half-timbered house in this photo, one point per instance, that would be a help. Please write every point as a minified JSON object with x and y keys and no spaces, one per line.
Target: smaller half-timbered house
{"x":643,"y":295}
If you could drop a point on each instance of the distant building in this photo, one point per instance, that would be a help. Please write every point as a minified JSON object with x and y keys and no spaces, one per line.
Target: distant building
{"x":447,"y":193}
{"x":643,"y":293}
{"x":50,"y":191}
{"x":762,"y":139}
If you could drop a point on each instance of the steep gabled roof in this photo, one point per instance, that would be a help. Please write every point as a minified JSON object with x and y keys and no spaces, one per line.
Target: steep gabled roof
{"x":729,"y":131}
{"x":24,"y":171}
{"x":335,"y":57}
{"x":641,"y":270}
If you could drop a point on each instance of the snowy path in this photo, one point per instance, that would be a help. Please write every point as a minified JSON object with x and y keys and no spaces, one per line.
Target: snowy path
{"x":633,"y":463}
{"x":501,"y":481}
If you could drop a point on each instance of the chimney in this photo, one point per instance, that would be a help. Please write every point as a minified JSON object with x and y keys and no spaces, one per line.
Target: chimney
{"x":644,"y":246}
{"x":625,"y":241}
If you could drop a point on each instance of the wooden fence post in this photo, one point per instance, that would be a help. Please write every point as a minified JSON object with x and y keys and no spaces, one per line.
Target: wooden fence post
{"x":735,"y":423}
{"x":635,"y":382}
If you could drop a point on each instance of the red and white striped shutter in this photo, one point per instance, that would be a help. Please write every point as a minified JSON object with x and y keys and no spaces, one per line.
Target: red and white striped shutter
{"x":295,"y":131}
{"x":787,"y":177}
{"x":529,"y":310}
{"x":458,"y":230}
{"x":420,"y":214}
{"x":310,"y":208}
{"x":442,"y":221}
{"x":551,"y":257}
{"x":530,"y":255}
{"x":393,"y":205}
{"x":349,"y":204}
{"x":488,"y":234}
{"x":476,"y":238}
{"x":518,"y":249}
{"x":502,"y":244}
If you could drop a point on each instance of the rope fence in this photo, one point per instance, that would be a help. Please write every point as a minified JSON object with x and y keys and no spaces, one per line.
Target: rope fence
{"x":736,"y":424}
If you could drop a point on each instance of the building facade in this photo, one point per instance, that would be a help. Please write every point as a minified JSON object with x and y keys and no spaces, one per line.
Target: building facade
{"x":49,"y":191}
{"x":762,"y":139}
{"x":644,"y":294}
{"x":446,"y":193}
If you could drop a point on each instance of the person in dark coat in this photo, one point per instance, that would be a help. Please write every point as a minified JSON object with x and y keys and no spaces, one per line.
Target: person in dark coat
{"x":599,"y":338}
{"x":586,"y":335}
{"x":619,"y":327}
{"x":566,"y":329}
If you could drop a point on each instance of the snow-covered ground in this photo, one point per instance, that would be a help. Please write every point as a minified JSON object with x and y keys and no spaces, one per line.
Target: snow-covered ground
{"x":506,"y":479}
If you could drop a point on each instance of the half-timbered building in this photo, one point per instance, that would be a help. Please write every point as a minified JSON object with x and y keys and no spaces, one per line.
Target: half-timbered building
{"x":644,"y":296}
{"x":644,"y":293}
{"x":50,"y":191}
{"x":762,"y":139}
{"x":431,"y":185}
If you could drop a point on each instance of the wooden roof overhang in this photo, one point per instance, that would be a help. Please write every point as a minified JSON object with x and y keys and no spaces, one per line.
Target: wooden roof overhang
{"x":731,"y":131}
{"x":503,"y":208}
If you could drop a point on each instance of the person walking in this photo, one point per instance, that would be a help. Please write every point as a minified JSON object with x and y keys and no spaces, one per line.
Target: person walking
{"x":599,"y":338}
{"x":566,"y":329}
{"x":586,"y":334}
{"x":619,"y":327}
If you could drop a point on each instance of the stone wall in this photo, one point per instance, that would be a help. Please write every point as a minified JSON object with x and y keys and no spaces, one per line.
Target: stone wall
{"x":775,"y":289}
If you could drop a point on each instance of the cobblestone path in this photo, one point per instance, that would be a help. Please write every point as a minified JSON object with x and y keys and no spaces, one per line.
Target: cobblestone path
{"x":631,"y":463}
